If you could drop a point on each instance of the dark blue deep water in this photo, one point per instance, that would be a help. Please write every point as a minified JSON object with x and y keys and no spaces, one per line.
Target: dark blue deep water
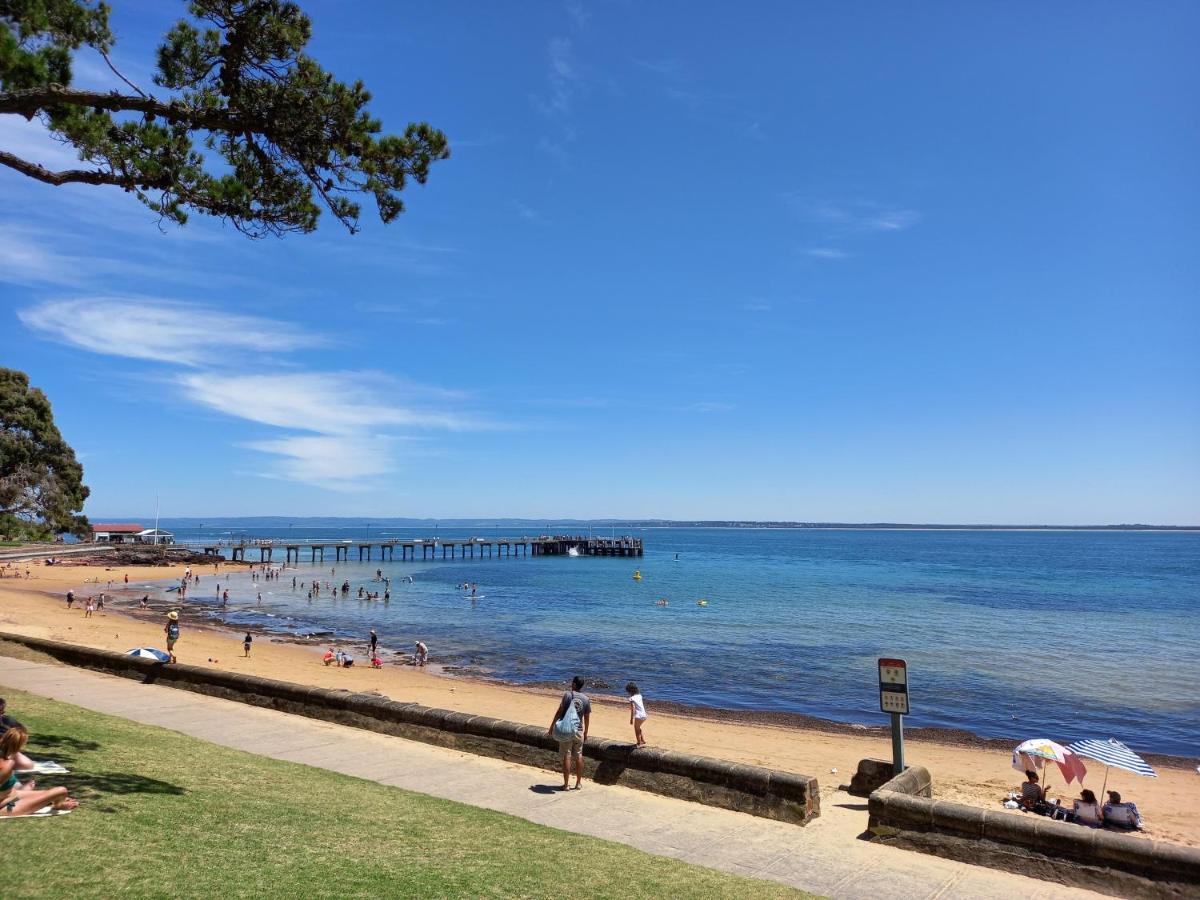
{"x":1013,"y":634}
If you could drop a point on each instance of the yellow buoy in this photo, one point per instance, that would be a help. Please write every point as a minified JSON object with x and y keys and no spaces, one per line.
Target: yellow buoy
{"x":637,"y":576}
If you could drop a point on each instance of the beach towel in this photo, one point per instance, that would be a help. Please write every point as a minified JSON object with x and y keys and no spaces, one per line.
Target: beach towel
{"x":43,"y":813}
{"x":45,"y":767}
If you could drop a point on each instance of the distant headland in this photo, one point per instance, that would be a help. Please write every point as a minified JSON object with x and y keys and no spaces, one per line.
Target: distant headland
{"x":556,"y":525}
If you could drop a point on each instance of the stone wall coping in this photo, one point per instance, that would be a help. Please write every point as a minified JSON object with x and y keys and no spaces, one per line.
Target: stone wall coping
{"x":796,"y":795}
{"x":895,"y":805}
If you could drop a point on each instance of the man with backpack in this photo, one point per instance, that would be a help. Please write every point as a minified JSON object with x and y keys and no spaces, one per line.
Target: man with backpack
{"x":570,"y":727}
{"x":172,"y":632}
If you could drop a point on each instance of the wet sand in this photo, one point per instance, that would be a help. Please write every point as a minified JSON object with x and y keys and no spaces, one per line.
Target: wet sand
{"x":965,"y":768}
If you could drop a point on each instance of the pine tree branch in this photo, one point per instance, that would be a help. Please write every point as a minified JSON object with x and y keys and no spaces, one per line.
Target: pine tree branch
{"x":70,"y":176}
{"x":30,"y":101}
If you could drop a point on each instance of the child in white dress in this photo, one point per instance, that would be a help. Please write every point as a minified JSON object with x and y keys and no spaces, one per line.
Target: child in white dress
{"x":637,"y":712}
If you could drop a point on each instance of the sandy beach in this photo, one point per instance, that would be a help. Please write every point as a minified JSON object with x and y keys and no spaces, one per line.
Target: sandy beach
{"x":980,"y":775}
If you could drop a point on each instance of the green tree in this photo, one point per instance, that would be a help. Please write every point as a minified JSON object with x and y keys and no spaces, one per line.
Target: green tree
{"x":244,"y":127}
{"x":41,"y":482}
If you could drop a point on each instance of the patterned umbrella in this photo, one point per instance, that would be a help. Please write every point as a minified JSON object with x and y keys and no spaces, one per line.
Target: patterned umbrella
{"x":1034,"y":753}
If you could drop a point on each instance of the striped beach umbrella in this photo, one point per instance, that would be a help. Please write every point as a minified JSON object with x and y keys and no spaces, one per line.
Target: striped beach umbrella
{"x":149,"y":653}
{"x":1114,"y":755}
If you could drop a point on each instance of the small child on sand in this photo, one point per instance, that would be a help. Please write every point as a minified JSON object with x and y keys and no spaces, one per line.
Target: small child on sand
{"x":637,"y":712}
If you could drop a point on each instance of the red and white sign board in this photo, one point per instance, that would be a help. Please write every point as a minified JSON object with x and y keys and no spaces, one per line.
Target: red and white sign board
{"x":893,"y":686}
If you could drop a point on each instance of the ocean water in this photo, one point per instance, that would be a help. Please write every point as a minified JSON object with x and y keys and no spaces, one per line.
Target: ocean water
{"x":1007,"y":634}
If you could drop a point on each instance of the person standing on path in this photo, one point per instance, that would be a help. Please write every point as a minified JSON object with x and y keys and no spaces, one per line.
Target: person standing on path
{"x":171,"y":629}
{"x":374,"y":641}
{"x":570,"y":728}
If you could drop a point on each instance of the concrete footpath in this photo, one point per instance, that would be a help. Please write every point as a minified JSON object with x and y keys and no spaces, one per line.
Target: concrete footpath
{"x":825,"y":857}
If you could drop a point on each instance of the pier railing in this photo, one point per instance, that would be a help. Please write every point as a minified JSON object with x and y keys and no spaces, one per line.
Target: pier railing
{"x":451,"y":548}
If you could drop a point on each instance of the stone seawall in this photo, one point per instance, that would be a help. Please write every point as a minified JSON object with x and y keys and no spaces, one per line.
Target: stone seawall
{"x":1123,"y":865}
{"x":769,"y":793}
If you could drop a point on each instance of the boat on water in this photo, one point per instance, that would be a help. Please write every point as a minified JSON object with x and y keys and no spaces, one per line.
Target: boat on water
{"x":573,"y":551}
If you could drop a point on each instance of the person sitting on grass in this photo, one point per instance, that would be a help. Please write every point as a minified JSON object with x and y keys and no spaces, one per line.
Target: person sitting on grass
{"x":23,"y":801}
{"x":1087,"y":810}
{"x":24,"y":763}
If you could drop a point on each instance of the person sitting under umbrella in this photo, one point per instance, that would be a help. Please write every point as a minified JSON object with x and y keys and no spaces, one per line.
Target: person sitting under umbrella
{"x":1032,"y":793}
{"x":1123,"y":815}
{"x":1087,"y":810}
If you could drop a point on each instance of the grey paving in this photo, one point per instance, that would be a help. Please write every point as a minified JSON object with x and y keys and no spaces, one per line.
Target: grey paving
{"x":826,"y":857}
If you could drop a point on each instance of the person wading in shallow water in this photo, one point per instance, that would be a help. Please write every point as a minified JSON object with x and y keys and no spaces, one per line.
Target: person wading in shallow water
{"x":570,"y":728}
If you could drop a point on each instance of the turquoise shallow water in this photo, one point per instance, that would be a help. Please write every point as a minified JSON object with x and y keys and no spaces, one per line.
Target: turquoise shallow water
{"x":1014,"y":634}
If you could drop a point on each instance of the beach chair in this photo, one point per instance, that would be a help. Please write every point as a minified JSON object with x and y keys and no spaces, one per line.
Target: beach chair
{"x":1122,"y":815}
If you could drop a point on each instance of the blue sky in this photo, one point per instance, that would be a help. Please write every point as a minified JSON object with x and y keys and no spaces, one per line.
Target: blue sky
{"x":850,"y":262}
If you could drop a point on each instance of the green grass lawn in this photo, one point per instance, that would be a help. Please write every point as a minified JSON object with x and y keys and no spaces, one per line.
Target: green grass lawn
{"x":166,"y":815}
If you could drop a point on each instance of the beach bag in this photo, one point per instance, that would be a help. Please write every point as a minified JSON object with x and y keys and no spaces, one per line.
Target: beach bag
{"x":172,"y":632}
{"x":569,"y":725}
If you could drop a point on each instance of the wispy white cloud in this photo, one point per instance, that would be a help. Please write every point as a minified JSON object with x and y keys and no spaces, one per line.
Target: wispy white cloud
{"x":833,"y":224}
{"x":852,"y":217}
{"x":680,"y":85}
{"x":160,"y":330}
{"x":334,"y":428}
{"x":580,"y":14}
{"x":826,"y":253}
{"x":528,"y":213}
{"x":33,"y":142}
{"x":330,"y":403}
{"x":563,"y":75}
{"x":710,"y":406}
{"x":342,"y":426}
{"x":332,"y":462}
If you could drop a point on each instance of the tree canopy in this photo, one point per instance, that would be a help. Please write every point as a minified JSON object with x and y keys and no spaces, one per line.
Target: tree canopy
{"x":41,"y":481}
{"x":243,"y":126}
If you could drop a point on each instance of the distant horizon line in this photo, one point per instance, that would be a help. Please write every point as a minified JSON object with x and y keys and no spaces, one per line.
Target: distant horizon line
{"x":357,"y":521}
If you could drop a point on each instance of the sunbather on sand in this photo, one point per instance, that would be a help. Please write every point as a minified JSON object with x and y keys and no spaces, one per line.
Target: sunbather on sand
{"x":24,"y":801}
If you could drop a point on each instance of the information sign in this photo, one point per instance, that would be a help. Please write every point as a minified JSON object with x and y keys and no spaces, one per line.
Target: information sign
{"x":893,"y":686}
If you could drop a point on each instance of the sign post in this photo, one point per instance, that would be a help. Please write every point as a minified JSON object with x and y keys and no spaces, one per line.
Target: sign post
{"x":893,"y":699}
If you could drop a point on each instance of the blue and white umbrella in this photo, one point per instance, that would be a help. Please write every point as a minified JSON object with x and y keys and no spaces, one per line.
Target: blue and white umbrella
{"x":1113,"y":754}
{"x":149,"y":653}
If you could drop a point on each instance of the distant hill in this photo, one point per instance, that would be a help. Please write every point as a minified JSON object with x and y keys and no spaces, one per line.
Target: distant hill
{"x":547,"y":525}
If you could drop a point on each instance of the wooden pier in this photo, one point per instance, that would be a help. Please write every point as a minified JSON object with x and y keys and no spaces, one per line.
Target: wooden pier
{"x":431,"y":548}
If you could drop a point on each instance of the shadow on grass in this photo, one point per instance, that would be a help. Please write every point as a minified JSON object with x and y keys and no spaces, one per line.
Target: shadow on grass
{"x":59,"y":747}
{"x":97,"y":787}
